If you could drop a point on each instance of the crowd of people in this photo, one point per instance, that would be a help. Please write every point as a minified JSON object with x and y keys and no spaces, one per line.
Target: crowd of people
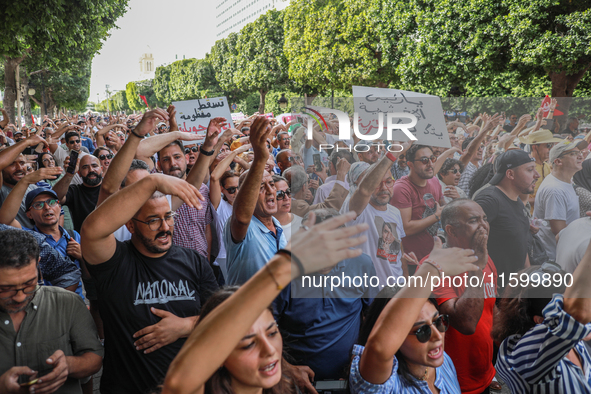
{"x":180,"y":262}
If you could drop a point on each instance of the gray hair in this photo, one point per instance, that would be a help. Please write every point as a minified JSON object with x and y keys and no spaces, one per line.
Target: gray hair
{"x":298,"y":178}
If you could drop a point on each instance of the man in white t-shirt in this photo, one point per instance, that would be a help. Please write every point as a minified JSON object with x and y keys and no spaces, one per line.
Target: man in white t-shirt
{"x":556,"y":201}
{"x":385,"y":233}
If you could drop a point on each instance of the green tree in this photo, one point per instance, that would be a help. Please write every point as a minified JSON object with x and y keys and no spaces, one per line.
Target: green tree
{"x":133,"y":97}
{"x":57,"y":33}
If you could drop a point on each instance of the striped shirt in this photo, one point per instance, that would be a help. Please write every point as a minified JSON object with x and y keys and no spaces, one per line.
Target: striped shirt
{"x":536,"y":362}
{"x":446,"y":379}
{"x":466,"y":177}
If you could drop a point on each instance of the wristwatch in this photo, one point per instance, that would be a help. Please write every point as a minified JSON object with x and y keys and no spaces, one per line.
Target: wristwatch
{"x":205,"y":152}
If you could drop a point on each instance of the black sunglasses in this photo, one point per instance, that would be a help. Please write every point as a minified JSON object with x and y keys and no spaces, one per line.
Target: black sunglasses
{"x":455,"y":171}
{"x":231,"y":189}
{"x":189,"y":150}
{"x":74,"y":142}
{"x":424,"y":332}
{"x":103,"y":157}
{"x":281,"y":194}
{"x":425,"y":160}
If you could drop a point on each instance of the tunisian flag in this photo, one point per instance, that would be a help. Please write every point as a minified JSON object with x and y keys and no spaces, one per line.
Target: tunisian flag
{"x":546,"y":106}
{"x":145,"y":101}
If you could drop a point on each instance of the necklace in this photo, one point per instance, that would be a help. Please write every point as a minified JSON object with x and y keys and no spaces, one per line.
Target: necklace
{"x":424,"y":377}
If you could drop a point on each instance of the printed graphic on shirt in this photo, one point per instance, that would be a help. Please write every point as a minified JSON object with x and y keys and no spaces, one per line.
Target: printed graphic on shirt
{"x":161,"y":292}
{"x":389,"y":241}
{"x":430,"y":209}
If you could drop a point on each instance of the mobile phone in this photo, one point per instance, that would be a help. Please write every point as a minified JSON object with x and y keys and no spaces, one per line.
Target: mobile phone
{"x":317,"y":162}
{"x":23,"y":382}
{"x":73,"y":161}
{"x":331,"y":385}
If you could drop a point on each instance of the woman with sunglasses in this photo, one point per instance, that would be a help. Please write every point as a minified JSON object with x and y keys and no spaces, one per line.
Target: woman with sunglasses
{"x":223,"y":188}
{"x":404,"y":337}
{"x":237,"y":348}
{"x":449,"y":176}
{"x":287,"y":219}
{"x":105,"y":156}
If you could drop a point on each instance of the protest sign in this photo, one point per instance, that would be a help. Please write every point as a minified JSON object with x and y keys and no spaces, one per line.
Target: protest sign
{"x":370,"y":103}
{"x":238,"y":116}
{"x":194,"y":115}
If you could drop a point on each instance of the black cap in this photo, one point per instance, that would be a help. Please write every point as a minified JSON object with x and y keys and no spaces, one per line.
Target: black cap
{"x":509,"y":161}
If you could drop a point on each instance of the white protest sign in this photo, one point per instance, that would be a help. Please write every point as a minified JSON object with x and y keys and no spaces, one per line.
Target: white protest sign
{"x":238,"y":116}
{"x":430,"y":128}
{"x":194,"y":115}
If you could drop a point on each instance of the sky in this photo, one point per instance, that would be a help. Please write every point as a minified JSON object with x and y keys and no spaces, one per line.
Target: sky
{"x":164,"y":28}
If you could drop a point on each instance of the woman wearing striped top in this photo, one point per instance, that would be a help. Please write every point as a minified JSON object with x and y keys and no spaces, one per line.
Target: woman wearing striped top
{"x":404,"y":350}
{"x":542,"y":349}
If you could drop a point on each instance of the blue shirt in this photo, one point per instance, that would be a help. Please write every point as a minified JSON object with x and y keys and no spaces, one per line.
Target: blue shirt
{"x":87,"y":142}
{"x":536,"y":362}
{"x":61,"y":246}
{"x":245,"y":258}
{"x":321,"y":325}
{"x":446,"y":379}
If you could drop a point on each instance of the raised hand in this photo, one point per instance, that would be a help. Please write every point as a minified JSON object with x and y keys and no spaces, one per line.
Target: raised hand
{"x":149,"y":121}
{"x":259,"y":132}
{"x":214,"y":128}
{"x":180,"y":188}
{"x":453,"y":261}
{"x":41,"y":174}
{"x":172,"y":118}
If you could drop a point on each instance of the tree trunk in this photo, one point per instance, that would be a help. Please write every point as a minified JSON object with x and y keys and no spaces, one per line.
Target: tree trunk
{"x":563,"y":87}
{"x":25,"y":96}
{"x":10,"y":90}
{"x":263,"y":93}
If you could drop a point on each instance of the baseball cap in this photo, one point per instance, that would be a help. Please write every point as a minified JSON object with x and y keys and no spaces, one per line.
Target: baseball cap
{"x":17,"y":132}
{"x":565,"y":146}
{"x":35,"y":192}
{"x":508,"y":161}
{"x":540,"y":137}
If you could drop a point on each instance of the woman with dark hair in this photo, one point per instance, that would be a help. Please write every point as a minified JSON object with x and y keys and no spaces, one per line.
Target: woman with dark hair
{"x":582,"y":184}
{"x":237,"y":348}
{"x":541,"y":331}
{"x":449,"y":177}
{"x":403,"y":337}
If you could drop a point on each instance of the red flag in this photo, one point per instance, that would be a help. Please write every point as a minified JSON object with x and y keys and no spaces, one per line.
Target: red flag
{"x":145,"y":101}
{"x":33,"y":119}
{"x":546,"y":106}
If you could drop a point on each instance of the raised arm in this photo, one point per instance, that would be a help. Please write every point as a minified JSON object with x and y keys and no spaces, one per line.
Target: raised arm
{"x":442,"y":158}
{"x":472,"y":148}
{"x":250,"y":188}
{"x":215,"y":192}
{"x":149,"y":146}
{"x":9,"y":155}
{"x":398,"y":317}
{"x":577,"y":298}
{"x":218,"y":334}
{"x":369,"y":184}
{"x":122,"y":161}
{"x":97,"y":240}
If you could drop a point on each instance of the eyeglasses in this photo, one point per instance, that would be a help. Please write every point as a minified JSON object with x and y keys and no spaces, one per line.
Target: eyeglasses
{"x":189,"y":150}
{"x":424,"y":332}
{"x":231,"y":189}
{"x":28,"y":290}
{"x":38,"y":205}
{"x":549,"y":145}
{"x":575,"y":153}
{"x":388,"y":182}
{"x":425,"y":160}
{"x":74,"y":142}
{"x":455,"y":171}
{"x":156,"y":223}
{"x":281,"y":194}
{"x":103,"y":157}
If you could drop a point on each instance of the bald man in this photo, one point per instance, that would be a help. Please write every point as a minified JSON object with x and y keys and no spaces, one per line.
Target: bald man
{"x":81,"y":199}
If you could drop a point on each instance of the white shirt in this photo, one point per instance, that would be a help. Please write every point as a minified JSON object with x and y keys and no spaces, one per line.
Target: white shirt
{"x":555,"y":200}
{"x":572,"y":244}
{"x":296,"y":223}
{"x":323,"y":191}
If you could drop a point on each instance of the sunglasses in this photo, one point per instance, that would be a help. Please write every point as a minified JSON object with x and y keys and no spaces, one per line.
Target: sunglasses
{"x":281,"y":194}
{"x":189,"y":150}
{"x":231,"y":189}
{"x":455,"y":171}
{"x":103,"y":157}
{"x":425,"y":160}
{"x":38,"y":205}
{"x":74,"y":142}
{"x":424,"y":332}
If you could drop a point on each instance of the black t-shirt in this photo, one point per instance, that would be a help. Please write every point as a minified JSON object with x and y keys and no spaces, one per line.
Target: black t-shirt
{"x":508,"y":239}
{"x":81,"y":200}
{"x":128,"y":285}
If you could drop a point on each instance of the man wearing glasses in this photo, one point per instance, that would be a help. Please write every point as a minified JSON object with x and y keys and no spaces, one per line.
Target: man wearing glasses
{"x":419,"y":198}
{"x":42,"y":329}
{"x":150,"y":291}
{"x":73,"y":142}
{"x":557,"y":202}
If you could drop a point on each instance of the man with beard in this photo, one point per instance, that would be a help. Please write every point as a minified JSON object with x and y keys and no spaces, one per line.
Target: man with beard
{"x":470,"y":308}
{"x":13,"y":166}
{"x":419,"y":198}
{"x":252,"y":235}
{"x":81,"y":199}
{"x":508,"y":238}
{"x":150,"y":291}
{"x":45,"y":329}
{"x":370,"y":202}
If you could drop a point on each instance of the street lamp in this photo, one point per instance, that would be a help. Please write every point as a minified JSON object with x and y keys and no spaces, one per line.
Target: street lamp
{"x":282,"y":102}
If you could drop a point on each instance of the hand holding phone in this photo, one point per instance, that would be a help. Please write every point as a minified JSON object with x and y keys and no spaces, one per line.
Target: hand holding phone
{"x":73,"y":162}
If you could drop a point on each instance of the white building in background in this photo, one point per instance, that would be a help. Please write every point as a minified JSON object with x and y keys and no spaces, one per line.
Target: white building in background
{"x":233,"y":15}
{"x":147,"y":66}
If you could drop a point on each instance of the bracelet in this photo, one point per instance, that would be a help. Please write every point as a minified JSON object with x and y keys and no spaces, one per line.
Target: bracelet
{"x":436,"y":265}
{"x":279,"y":287}
{"x":390,"y":156}
{"x":136,"y":134}
{"x":205,"y":152}
{"x":294,"y":259}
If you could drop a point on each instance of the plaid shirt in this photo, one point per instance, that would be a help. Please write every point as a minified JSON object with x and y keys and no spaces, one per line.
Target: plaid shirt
{"x":189,"y":224}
